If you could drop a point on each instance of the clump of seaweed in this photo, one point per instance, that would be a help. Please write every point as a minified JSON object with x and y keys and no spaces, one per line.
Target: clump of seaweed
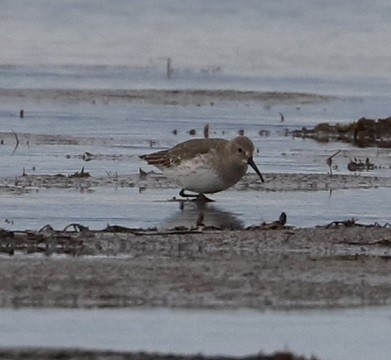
{"x":363,"y":132}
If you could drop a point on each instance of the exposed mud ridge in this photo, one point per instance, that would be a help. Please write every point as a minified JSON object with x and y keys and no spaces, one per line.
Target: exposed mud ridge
{"x":45,"y":354}
{"x":82,"y":180}
{"x":164,"y":97}
{"x":338,"y":265}
{"x":27,"y":139}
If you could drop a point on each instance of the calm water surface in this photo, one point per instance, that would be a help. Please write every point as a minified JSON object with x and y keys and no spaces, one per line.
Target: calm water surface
{"x":359,"y":334}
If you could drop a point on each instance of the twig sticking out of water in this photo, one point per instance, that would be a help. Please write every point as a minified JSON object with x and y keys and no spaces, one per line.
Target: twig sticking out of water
{"x":206,"y":131}
{"x":353,"y":222}
{"x":17,"y":141}
{"x":47,"y":227}
{"x":329,"y":161}
{"x":347,"y":223}
{"x":81,"y":174}
{"x":278,"y":224}
{"x":76,"y":227}
{"x":170,"y":69}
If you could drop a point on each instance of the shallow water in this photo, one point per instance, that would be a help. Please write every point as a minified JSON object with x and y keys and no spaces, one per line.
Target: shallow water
{"x":128,"y":130}
{"x":150,"y":208}
{"x":112,"y":131}
{"x":359,"y":334}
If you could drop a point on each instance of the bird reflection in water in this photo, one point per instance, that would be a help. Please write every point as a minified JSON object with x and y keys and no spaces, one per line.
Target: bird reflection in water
{"x":203,"y":213}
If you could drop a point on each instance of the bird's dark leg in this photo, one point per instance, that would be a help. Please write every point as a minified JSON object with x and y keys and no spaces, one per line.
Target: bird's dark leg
{"x":198,"y":197}
{"x":202,"y":199}
{"x":201,"y":202}
{"x":183,"y":194}
{"x":200,"y":219}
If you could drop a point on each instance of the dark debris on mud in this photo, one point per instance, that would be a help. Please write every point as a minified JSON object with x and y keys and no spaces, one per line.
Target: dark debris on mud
{"x":362,"y":133}
{"x":76,"y":239}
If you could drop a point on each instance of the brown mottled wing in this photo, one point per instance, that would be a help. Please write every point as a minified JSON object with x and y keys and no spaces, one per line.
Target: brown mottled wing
{"x":160,"y":159}
{"x":183,"y":151}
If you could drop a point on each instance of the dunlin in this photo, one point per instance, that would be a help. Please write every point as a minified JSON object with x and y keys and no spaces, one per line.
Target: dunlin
{"x":205,"y":166}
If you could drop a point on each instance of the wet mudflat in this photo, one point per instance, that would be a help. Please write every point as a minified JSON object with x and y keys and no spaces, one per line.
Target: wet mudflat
{"x":342,"y":265}
{"x":75,"y":115}
{"x":263,"y":269}
{"x":131,"y":244}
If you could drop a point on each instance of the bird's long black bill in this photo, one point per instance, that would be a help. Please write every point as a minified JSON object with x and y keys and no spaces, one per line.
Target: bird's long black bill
{"x":252,"y":164}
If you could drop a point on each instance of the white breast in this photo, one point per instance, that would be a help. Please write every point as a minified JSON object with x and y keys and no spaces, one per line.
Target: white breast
{"x":196,"y":175}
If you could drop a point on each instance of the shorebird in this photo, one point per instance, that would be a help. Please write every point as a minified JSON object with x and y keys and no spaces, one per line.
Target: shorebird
{"x":205,"y":166}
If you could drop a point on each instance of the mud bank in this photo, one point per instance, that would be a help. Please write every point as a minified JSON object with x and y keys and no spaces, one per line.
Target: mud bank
{"x":163,"y":97}
{"x":322,"y":267}
{"x":43,"y":354}
{"x":151,"y":180}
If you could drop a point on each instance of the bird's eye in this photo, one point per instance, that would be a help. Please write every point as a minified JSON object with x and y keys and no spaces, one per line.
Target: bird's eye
{"x":240,"y":150}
